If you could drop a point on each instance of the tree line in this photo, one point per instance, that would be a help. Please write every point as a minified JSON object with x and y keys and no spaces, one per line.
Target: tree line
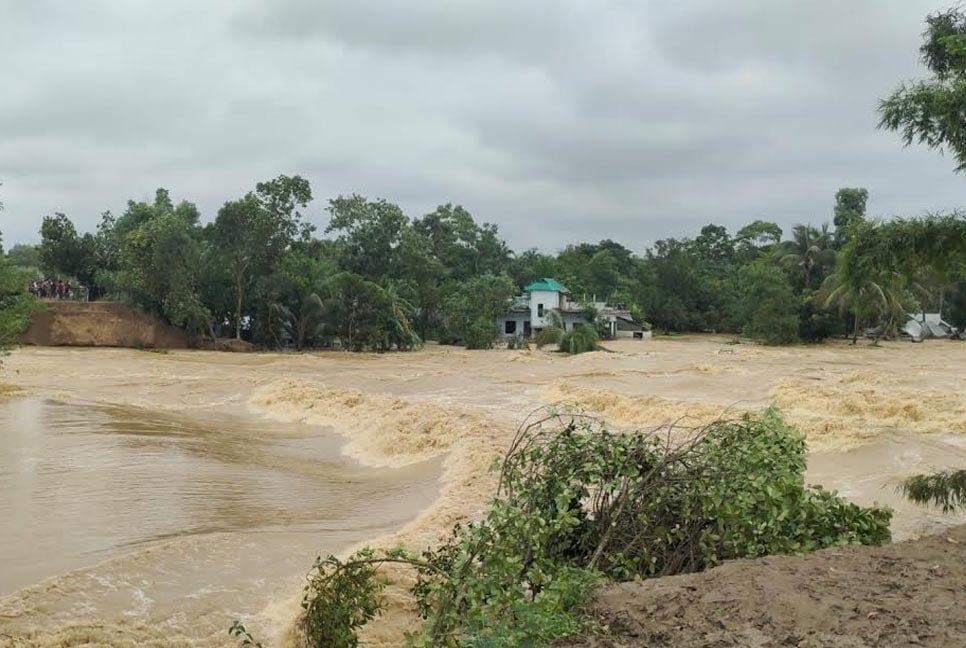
{"x":378,"y":279}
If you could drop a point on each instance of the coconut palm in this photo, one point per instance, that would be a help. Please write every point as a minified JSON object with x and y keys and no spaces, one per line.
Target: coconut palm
{"x":809,"y":249}
{"x":553,"y":332}
{"x":881,"y":297}
{"x":400,"y":313}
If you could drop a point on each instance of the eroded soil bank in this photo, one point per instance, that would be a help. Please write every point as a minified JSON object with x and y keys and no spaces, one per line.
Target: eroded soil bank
{"x":905,"y":594}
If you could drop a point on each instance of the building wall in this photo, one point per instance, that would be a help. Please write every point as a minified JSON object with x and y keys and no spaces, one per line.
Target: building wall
{"x":549,"y":300}
{"x":520,"y":318}
{"x":570,"y":319}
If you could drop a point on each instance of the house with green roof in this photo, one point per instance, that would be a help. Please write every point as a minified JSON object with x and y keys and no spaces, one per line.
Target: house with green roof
{"x":531,"y":311}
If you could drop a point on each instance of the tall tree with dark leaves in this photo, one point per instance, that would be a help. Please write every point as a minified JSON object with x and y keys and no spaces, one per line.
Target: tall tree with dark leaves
{"x":369,"y":233}
{"x":930,"y":111}
{"x":849,"y":210}
{"x":464,"y":247}
{"x":250,"y":235}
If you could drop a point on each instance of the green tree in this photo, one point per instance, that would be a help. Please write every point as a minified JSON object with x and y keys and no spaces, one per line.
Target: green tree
{"x":930,"y":111}
{"x":530,"y":265}
{"x":365,"y":315}
{"x":62,"y":251}
{"x":768,"y":304}
{"x":24,"y":256}
{"x":16,"y":304}
{"x":756,"y":238}
{"x":240,"y":233}
{"x":465,"y":248}
{"x":282,"y":197}
{"x":161,"y":262}
{"x":422,"y":278}
{"x":293,"y":296}
{"x":872,"y":294}
{"x":250,"y":235}
{"x":679,"y":291}
{"x":469,"y":314}
{"x":849,"y":210}
{"x":760,"y":233}
{"x":810,"y":250}
{"x":369,"y":233}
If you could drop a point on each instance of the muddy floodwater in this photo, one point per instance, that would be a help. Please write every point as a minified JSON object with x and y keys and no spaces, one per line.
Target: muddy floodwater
{"x":168,"y":526}
{"x":151,"y":499}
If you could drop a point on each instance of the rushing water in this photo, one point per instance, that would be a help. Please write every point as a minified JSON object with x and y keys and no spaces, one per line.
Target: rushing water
{"x":873,"y":473}
{"x":130,"y":516}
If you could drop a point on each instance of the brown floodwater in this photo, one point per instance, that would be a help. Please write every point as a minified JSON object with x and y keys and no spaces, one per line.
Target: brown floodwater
{"x":133,"y":517}
{"x":150,"y":499}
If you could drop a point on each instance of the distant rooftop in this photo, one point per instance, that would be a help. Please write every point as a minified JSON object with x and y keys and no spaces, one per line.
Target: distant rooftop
{"x":548,"y":284}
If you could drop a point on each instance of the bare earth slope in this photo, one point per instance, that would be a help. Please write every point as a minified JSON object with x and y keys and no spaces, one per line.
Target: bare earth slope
{"x":906,"y":594}
{"x":109,"y":324}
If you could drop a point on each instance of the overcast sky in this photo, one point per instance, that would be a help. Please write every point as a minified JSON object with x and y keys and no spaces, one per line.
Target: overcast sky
{"x":559,"y":120}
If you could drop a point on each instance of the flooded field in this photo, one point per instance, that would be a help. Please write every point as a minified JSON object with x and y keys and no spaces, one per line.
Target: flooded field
{"x":153,"y":498}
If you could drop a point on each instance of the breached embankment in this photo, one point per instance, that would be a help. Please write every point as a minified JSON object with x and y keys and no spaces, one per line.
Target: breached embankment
{"x":100,"y":324}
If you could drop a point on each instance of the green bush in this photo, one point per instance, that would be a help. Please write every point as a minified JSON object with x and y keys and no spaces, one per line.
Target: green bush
{"x":580,"y":339}
{"x":479,"y":334}
{"x":548,"y":336}
{"x":17,"y":306}
{"x":577,"y":504}
{"x":517,"y":342}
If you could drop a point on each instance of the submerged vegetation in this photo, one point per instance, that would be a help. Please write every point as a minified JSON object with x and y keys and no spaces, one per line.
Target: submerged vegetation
{"x":578,"y":505}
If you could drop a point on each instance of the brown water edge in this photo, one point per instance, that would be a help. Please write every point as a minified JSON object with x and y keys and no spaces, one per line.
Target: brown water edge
{"x":128,"y":526}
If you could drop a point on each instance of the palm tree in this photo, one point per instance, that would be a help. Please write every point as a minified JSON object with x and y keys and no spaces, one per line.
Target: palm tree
{"x":553,"y":332}
{"x":882,"y":296}
{"x":400,"y":319}
{"x":809,"y":248}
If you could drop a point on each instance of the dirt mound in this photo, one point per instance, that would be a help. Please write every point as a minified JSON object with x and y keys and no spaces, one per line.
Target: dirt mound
{"x":905,"y":594}
{"x":107,"y":324}
{"x":230,"y":345}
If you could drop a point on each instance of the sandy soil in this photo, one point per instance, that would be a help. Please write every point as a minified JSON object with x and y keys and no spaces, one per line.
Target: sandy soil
{"x":873,"y":415}
{"x":906,"y":594}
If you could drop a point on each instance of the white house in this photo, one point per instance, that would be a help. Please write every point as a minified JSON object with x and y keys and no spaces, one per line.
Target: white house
{"x":529,"y":313}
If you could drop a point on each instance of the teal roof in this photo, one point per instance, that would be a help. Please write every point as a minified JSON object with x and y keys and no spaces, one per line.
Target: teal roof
{"x":546,"y":284}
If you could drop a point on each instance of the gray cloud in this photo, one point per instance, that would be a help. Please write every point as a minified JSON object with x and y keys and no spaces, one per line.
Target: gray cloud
{"x":559,"y":121}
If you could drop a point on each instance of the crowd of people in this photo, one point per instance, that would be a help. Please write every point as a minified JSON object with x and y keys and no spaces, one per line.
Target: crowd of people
{"x":56,"y":289}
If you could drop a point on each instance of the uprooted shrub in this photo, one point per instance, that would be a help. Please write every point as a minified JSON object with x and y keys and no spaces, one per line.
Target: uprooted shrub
{"x":577,"y":505}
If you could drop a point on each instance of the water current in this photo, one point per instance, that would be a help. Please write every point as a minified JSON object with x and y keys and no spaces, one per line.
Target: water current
{"x":136,"y":518}
{"x":150,"y":499}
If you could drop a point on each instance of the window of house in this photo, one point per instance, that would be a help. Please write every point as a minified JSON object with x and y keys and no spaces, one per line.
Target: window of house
{"x":510,"y":327}
{"x":539,"y":310}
